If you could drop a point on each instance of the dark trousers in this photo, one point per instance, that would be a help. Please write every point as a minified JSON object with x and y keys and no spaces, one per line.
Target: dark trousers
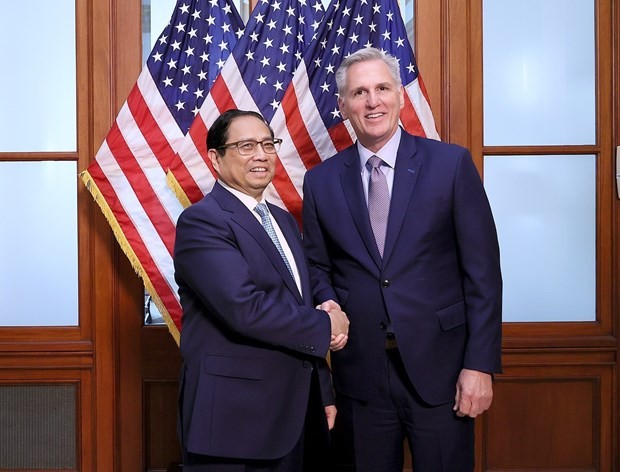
{"x":375,"y":431}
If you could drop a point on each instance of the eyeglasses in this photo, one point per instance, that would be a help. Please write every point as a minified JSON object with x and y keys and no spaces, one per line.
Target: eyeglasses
{"x":249,"y":147}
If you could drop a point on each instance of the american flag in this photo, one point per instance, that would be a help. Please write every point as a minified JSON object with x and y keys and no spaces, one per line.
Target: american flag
{"x":304,"y":111}
{"x":128,"y":178}
{"x":255,"y":78}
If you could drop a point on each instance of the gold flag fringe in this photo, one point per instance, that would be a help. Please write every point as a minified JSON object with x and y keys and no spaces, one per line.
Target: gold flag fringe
{"x":173,"y":183}
{"x":91,"y":186}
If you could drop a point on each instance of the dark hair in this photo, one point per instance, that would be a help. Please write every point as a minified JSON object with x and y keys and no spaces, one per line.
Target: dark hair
{"x":218,"y":132}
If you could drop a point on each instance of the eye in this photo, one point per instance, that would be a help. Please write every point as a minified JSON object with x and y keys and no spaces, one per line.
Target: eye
{"x":269,"y":146}
{"x":247,"y":146}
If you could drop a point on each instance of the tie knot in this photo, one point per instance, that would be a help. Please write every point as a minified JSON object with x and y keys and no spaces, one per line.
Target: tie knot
{"x":262,"y":209}
{"x":374,"y":162}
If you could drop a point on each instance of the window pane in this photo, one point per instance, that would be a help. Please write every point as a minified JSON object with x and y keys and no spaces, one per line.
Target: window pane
{"x":545,"y":211}
{"x":38,"y":244}
{"x":38,"y":90}
{"x":539,"y":72}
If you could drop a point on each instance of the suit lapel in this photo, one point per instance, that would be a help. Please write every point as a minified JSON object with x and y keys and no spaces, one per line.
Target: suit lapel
{"x":248,"y":221}
{"x":406,"y":174}
{"x":354,"y":195}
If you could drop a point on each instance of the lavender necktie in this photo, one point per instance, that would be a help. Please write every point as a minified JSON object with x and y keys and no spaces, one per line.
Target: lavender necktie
{"x":378,"y":201}
{"x":263,"y":211}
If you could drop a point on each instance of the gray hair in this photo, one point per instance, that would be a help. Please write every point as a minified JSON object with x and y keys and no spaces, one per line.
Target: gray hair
{"x":362,"y":55}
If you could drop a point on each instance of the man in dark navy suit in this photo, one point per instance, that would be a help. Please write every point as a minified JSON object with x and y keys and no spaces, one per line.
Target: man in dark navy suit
{"x":399,"y":231}
{"x":253,"y":345}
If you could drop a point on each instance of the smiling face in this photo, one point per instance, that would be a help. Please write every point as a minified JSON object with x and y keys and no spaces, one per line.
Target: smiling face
{"x":371,"y":102}
{"x":248,"y":174}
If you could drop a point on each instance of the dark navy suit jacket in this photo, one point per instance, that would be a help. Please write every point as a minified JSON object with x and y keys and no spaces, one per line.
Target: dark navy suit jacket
{"x":439,"y":282}
{"x":250,"y":341}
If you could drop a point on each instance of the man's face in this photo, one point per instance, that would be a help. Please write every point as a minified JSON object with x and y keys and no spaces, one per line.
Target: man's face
{"x":372,"y":102}
{"x":248,"y":174}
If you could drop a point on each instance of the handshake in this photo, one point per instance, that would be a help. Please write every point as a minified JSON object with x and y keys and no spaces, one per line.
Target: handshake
{"x":340,"y":324}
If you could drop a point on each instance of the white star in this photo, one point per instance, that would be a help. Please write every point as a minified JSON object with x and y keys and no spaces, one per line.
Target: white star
{"x":189,"y":51}
{"x":211,"y":20}
{"x":386,"y":35}
{"x":249,"y":55}
{"x":192,"y":33}
{"x":240,"y":32}
{"x":390,"y":16}
{"x":287,"y":30}
{"x":168,"y":82}
{"x":336,"y":113}
{"x":316,"y":25}
{"x":281,"y":67}
{"x":180,"y":27}
{"x":262,"y":80}
{"x":302,"y":20}
{"x":376,"y":8}
{"x":298,"y":55}
{"x":223,"y":45}
{"x":354,"y":37}
{"x":330,"y":69}
{"x":290,"y":11}
{"x":346,"y":12}
{"x":276,"y":5}
{"x":271,"y":24}
{"x":260,"y":18}
{"x":317,"y":62}
{"x":157,"y":57}
{"x":195,"y":110}
{"x":358,"y":19}
{"x":373,"y":27}
{"x":183,"y":88}
{"x":199,"y":93}
{"x":284,"y":48}
{"x":213,"y":3}
{"x":196,"y":14}
{"x":202,"y":75}
{"x":225,"y":27}
{"x":268,"y":43}
{"x":411,"y":68}
{"x":368,"y":44}
{"x":176,"y":45}
{"x":400,"y":42}
{"x":325,"y":87}
{"x":172,"y":64}
{"x":220,"y":63}
{"x":340,"y":31}
{"x":186,"y":70}
{"x":163,"y":40}
{"x":208,"y":39}
{"x":275,"y":104}
{"x":265,"y":61}
{"x":318,"y":7}
{"x":204,"y":56}
{"x":278,"y":85}
{"x":336,"y":49}
{"x":227,"y":9}
{"x":254,"y":36}
{"x":364,"y":2}
{"x":184,"y":8}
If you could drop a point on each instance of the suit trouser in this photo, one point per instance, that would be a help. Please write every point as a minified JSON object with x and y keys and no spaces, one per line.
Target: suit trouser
{"x":439,"y":440}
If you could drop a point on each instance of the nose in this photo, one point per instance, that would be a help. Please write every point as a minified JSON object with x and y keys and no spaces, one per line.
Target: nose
{"x":372,"y":99}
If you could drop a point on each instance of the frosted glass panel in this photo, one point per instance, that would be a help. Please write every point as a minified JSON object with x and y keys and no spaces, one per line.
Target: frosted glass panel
{"x":37,"y":83}
{"x":545,"y":211}
{"x":38,"y":244}
{"x":539,"y":72}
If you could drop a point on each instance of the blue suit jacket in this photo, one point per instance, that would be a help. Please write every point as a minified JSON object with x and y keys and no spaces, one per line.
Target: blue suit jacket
{"x":250,"y":341}
{"x":439,"y":282}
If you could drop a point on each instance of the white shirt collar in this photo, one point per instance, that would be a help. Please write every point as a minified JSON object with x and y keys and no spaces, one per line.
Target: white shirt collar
{"x":387,"y":153}
{"x":249,"y":201}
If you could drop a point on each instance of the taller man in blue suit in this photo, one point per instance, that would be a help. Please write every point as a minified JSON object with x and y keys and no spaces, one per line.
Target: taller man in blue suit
{"x":419,"y":278}
{"x":253,"y":345}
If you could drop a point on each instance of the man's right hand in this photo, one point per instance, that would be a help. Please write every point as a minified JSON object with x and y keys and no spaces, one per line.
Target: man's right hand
{"x":339,"y":322}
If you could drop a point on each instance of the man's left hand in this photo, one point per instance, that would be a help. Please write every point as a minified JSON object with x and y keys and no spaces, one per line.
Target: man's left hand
{"x":474,"y":393}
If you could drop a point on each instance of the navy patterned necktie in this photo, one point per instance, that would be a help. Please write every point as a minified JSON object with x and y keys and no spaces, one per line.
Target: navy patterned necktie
{"x":263,"y":211}
{"x":378,"y":201}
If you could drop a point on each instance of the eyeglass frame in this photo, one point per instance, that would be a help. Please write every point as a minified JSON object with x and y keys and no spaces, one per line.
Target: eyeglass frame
{"x":275,"y":141}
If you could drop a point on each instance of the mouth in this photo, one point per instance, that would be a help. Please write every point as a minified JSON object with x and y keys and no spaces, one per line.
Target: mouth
{"x":374,"y":115}
{"x":258,"y":169}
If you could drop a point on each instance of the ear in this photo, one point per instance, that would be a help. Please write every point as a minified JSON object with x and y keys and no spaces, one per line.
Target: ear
{"x":342,"y":108}
{"x":402,"y":97}
{"x":215,"y":157}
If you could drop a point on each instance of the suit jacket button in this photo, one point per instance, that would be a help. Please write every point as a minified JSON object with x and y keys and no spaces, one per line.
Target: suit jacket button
{"x":382,"y":325}
{"x":385,"y":283}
